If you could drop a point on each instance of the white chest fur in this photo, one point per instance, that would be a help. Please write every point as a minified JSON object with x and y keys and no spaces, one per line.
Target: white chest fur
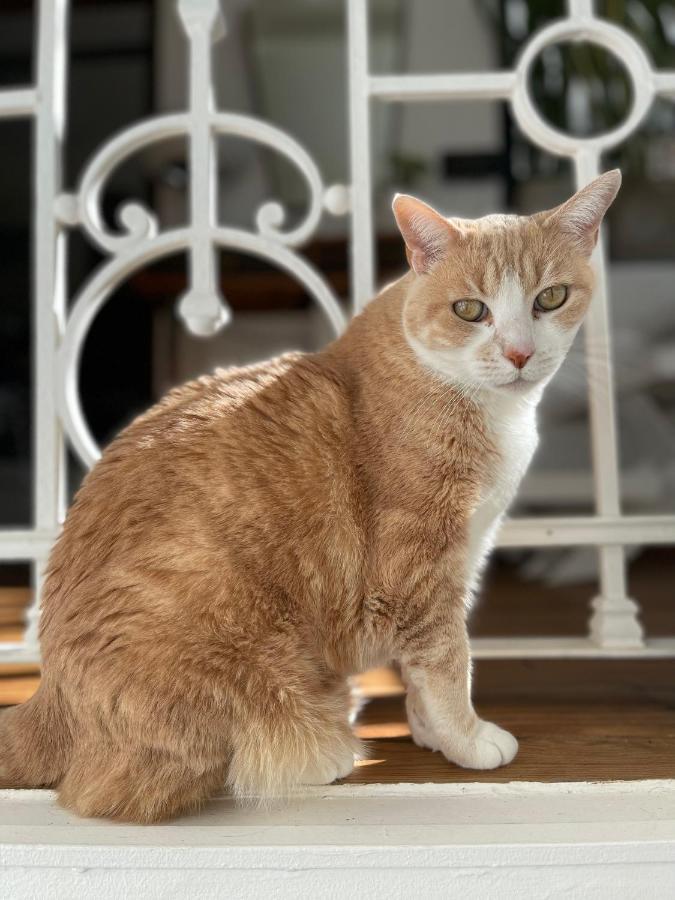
{"x":511,"y":425}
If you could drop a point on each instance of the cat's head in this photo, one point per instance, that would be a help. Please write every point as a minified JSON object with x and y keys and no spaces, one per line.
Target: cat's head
{"x":496,"y":302}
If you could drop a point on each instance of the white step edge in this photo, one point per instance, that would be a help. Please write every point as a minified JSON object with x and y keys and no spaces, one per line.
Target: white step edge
{"x":518,"y":839}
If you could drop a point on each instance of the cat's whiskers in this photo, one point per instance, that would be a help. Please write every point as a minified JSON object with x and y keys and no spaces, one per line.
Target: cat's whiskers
{"x":416,"y":414}
{"x":463,"y":393}
{"x":430,"y":426}
{"x":417,"y":420}
{"x":577,"y":379}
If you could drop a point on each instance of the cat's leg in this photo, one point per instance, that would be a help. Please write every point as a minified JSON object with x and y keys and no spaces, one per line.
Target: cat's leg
{"x":147,"y":748}
{"x":272,"y":739}
{"x":417,"y":716}
{"x":300,"y":737}
{"x":134,"y":783}
{"x":437,"y":671}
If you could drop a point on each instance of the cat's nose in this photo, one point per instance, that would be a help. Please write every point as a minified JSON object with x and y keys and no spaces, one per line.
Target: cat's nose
{"x":517,"y":357}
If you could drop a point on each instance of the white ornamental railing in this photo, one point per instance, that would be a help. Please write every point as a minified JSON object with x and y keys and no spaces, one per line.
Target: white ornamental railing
{"x":59,"y":336}
{"x":614,"y":628}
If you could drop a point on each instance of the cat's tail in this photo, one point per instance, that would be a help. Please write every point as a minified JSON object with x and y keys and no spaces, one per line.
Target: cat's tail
{"x":35,"y":741}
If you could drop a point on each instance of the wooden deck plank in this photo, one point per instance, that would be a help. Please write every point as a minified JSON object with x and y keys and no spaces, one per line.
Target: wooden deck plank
{"x":556,"y":744}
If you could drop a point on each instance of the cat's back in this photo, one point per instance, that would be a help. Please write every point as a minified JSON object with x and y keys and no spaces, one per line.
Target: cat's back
{"x":254,"y":453}
{"x":249,"y":412}
{"x":270,"y":421}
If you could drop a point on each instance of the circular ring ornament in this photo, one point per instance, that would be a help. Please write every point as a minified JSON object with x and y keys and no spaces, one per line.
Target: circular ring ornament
{"x":613,"y":39}
{"x":96,"y":292}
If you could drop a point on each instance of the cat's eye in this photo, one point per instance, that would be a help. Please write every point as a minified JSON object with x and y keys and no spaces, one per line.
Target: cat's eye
{"x":470,"y":310}
{"x":551,"y":297}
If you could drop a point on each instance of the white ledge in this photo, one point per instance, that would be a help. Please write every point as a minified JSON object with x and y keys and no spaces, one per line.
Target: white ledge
{"x":25,"y":543}
{"x":572,"y":531}
{"x":448,"y":88}
{"x":18,"y":103}
{"x":500,"y":840}
{"x":568,"y":648}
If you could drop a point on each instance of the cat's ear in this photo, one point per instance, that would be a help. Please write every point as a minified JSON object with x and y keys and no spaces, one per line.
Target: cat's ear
{"x":426,"y":233}
{"x":583,"y":213}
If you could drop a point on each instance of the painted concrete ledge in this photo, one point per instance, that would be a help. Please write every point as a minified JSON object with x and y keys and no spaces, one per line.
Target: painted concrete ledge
{"x":515,"y":840}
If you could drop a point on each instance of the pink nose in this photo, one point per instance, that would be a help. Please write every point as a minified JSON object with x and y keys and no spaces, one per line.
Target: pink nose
{"x":517,"y":357}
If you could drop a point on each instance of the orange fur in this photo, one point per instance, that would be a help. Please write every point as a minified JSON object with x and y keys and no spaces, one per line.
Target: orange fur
{"x":257,"y":537}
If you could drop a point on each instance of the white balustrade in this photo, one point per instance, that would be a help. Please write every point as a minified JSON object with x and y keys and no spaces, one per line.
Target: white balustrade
{"x":59,"y":338}
{"x":614,"y":626}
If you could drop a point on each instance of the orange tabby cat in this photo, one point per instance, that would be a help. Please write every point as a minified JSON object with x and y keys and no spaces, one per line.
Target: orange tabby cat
{"x":263,"y":533}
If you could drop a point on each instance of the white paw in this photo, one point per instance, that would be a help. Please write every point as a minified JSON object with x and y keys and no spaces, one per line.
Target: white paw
{"x":490,"y":747}
{"x":326,"y":771}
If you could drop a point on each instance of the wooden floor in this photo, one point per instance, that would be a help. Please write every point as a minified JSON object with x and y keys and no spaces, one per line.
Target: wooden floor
{"x":575,"y":720}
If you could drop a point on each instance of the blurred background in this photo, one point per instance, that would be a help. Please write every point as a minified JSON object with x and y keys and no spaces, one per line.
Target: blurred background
{"x":286,"y":63}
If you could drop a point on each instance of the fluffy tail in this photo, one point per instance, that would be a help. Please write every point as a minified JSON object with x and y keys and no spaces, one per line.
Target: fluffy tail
{"x":35,"y":741}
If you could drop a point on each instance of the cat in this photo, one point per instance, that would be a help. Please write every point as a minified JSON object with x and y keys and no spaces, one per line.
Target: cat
{"x":263,"y":533}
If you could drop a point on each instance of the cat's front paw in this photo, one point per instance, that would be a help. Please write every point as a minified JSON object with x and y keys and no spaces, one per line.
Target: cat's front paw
{"x":489,"y":747}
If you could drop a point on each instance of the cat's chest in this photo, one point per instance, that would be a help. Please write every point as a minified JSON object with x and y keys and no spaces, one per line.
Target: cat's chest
{"x":512,"y":431}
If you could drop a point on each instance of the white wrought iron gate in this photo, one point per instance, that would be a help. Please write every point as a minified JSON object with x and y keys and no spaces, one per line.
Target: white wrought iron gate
{"x":59,"y":337}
